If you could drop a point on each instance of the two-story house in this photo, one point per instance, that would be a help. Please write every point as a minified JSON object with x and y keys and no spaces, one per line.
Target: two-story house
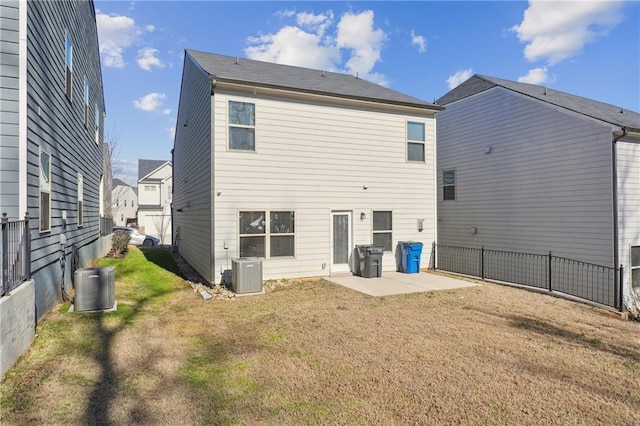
{"x":124,"y":203}
{"x":297,"y":166}
{"x":525,"y":168}
{"x":154,"y":198}
{"x":51,"y":149}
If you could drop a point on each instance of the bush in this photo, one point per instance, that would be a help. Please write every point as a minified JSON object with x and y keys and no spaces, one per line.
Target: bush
{"x":119,"y":242}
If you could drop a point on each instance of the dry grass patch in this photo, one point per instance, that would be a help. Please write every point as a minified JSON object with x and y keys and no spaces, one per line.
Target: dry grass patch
{"x":317,"y":353}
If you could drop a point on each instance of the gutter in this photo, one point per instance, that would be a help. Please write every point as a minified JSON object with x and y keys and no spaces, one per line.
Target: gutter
{"x":212,"y":197}
{"x":614,"y":167}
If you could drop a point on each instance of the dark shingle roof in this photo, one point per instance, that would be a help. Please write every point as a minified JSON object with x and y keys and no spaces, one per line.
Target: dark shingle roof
{"x":267,"y":74}
{"x":117,"y":182}
{"x":147,"y":166}
{"x":599,"y":110}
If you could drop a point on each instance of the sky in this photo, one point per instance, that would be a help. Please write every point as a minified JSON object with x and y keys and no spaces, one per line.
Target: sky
{"x":420,"y":48}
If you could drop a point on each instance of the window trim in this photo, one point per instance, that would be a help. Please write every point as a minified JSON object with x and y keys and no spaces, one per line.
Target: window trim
{"x":449,"y":185}
{"x":85,"y":99}
{"x":68,"y":66}
{"x":80,"y":200}
{"x":633,"y":268}
{"x":44,"y":188}
{"x":242,"y":126}
{"x":422,"y":142}
{"x":382,"y":231}
{"x":267,"y":234}
{"x":96,"y":123}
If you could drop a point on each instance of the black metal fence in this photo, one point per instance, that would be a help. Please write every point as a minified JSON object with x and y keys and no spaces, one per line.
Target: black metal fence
{"x":588,"y":281}
{"x":106,"y":226}
{"x":16,"y":253}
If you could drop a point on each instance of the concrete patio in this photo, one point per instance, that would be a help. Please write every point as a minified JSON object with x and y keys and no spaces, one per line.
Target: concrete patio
{"x":393,"y":282}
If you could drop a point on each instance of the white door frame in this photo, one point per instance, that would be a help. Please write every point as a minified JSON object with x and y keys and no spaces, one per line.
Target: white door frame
{"x":341,"y":267}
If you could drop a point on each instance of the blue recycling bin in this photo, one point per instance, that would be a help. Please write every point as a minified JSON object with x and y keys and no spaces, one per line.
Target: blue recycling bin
{"x":411,"y":253}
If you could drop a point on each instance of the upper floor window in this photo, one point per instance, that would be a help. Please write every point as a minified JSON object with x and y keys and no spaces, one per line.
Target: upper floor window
{"x":149,"y":187}
{"x":125,"y":203}
{"x":96,"y":122}
{"x":242,"y":126}
{"x":68,"y":66}
{"x":85,"y":98}
{"x":449,"y":185}
{"x":45,"y":191}
{"x":415,"y":141}
{"x":382,"y":229}
{"x":80,"y":200}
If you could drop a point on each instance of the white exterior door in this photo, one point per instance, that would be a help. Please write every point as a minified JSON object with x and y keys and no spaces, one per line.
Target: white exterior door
{"x":340,"y":241}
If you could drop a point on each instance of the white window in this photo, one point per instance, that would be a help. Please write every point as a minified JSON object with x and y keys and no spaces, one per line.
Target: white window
{"x":96,"y":123}
{"x":125,"y":203}
{"x":242,"y":126}
{"x":382,"y":229}
{"x":267,"y":232}
{"x":151,"y":188}
{"x":635,"y":266}
{"x":80,"y":200}
{"x":85,"y":98}
{"x":415,"y":141}
{"x":449,"y":185}
{"x":45,"y":191}
{"x":68,"y":67}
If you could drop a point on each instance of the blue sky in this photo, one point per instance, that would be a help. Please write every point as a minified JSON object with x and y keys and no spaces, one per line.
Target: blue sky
{"x":423,"y":49}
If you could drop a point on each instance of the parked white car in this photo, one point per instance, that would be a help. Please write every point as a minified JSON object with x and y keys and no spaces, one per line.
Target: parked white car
{"x":137,"y":238}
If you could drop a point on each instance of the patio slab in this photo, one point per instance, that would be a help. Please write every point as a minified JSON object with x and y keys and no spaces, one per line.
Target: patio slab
{"x":393,"y":282}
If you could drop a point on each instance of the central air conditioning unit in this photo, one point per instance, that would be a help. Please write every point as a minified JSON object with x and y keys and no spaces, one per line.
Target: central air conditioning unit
{"x":246,"y":275}
{"x":95,"y":289}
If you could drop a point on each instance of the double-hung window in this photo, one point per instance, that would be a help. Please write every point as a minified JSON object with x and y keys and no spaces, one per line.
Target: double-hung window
{"x":635,"y":267}
{"x":449,"y":185}
{"x":80,"y":200}
{"x":85,"y":98}
{"x":382,"y":229}
{"x":68,"y":47}
{"x":267,"y":234}
{"x":242,"y":126}
{"x":415,"y":141}
{"x":45,"y":191}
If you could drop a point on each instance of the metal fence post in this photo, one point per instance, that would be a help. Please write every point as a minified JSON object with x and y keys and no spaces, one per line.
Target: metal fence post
{"x":27,"y":248}
{"x":550,"y":262}
{"x":620,"y":287}
{"x":482,"y":262}
{"x":5,"y":254}
{"x":435,"y":260}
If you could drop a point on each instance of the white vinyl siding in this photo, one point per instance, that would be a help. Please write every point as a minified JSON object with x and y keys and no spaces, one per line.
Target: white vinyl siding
{"x":628,"y":180}
{"x":545,"y":185}
{"x":304,"y":164}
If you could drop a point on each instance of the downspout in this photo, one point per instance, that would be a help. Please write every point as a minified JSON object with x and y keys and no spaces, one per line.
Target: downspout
{"x":614,"y":168}
{"x":212,"y":239}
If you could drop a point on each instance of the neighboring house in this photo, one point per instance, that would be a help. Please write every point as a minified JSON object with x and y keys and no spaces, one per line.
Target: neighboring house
{"x":297,"y":166}
{"x":154,"y":198}
{"x":51,"y":144}
{"x":529,"y":169}
{"x":124,"y":203}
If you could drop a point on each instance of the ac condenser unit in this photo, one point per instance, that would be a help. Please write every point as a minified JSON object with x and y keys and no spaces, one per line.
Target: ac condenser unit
{"x":95,"y":289}
{"x":247,"y":275}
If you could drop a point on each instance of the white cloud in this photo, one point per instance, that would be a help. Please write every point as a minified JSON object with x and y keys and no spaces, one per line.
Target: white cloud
{"x":356,"y":33}
{"x":459,"y":77}
{"x":116,"y":33}
{"x":418,"y":40}
{"x":151,"y":102}
{"x":555,"y":31}
{"x":147,"y":59}
{"x":125,"y":170}
{"x":315,"y":41}
{"x":536,"y":76}
{"x":171,"y":132}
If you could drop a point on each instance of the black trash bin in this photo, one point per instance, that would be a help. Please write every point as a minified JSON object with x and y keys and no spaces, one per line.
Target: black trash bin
{"x":370,"y":257}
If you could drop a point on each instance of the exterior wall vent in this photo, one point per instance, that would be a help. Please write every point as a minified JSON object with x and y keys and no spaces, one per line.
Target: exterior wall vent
{"x":247,"y":275}
{"x":95,"y":289}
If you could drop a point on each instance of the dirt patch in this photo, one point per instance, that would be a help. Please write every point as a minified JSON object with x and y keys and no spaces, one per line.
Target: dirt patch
{"x":317,"y":353}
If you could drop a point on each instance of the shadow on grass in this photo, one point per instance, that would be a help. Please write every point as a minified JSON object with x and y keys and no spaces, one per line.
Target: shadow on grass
{"x":162,"y":258}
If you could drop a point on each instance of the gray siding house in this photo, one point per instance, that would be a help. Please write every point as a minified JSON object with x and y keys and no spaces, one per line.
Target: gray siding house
{"x":528,"y":169}
{"x":297,"y":166}
{"x":51,"y":151}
